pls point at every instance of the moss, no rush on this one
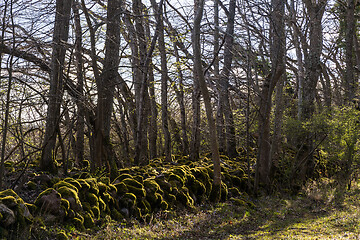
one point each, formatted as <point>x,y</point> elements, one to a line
<point>85,186</point>
<point>31,185</point>
<point>61,236</point>
<point>234,192</point>
<point>112,188</point>
<point>32,207</point>
<point>164,185</point>
<point>164,205</point>
<point>67,185</point>
<point>86,206</point>
<point>105,180</point>
<point>84,175</point>
<point>151,185</point>
<point>9,192</point>
<point>145,206</point>
<point>184,198</point>
<point>197,188</point>
<point>102,205</point>
<point>201,174</point>
<point>121,188</point>
<point>88,221</point>
<point>46,192</point>
<point>116,215</point>
<point>132,182</point>
<point>139,192</point>
<point>238,202</point>
<point>177,179</point>
<point>129,200</point>
<point>122,177</point>
<point>92,199</point>
<point>108,199</point>
<point>9,201</point>
<point>93,185</point>
<point>171,198</point>
<point>72,196</point>
<point>102,187</point>
<point>96,211</point>
<point>65,203</point>
<point>78,223</point>
<point>73,182</point>
<point>224,192</point>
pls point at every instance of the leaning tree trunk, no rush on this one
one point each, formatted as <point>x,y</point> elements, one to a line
<point>61,32</point>
<point>199,77</point>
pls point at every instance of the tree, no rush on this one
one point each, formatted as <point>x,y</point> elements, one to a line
<point>277,55</point>
<point>104,153</point>
<point>199,77</point>
<point>61,31</point>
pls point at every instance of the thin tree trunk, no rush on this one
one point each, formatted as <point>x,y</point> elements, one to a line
<point>80,85</point>
<point>199,76</point>
<point>224,82</point>
<point>350,83</point>
<point>164,85</point>
<point>61,31</point>
<point>104,153</point>
<point>312,62</point>
<point>277,55</point>
<point>180,97</point>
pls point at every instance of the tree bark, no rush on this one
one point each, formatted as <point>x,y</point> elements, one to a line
<point>199,76</point>
<point>61,31</point>
<point>79,148</point>
<point>104,154</point>
<point>350,83</point>
<point>277,56</point>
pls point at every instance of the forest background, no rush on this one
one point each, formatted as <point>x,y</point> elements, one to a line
<point>106,85</point>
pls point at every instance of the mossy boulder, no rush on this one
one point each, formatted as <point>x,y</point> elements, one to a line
<point>74,182</point>
<point>93,185</point>
<point>71,195</point>
<point>122,177</point>
<point>85,186</point>
<point>151,185</point>
<point>7,216</point>
<point>88,221</point>
<point>135,187</point>
<point>65,184</point>
<point>121,188</point>
<point>129,200</point>
<point>49,201</point>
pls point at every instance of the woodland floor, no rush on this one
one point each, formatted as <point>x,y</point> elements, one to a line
<point>275,217</point>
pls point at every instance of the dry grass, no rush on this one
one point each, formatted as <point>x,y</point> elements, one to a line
<point>274,217</point>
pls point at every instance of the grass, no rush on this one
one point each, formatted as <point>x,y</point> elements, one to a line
<point>273,217</point>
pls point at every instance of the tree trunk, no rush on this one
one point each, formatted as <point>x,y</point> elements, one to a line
<point>199,76</point>
<point>61,31</point>
<point>224,82</point>
<point>277,55</point>
<point>350,83</point>
<point>164,85</point>
<point>315,11</point>
<point>180,97</point>
<point>79,148</point>
<point>104,153</point>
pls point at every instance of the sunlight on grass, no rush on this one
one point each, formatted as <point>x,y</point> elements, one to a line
<point>272,218</point>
